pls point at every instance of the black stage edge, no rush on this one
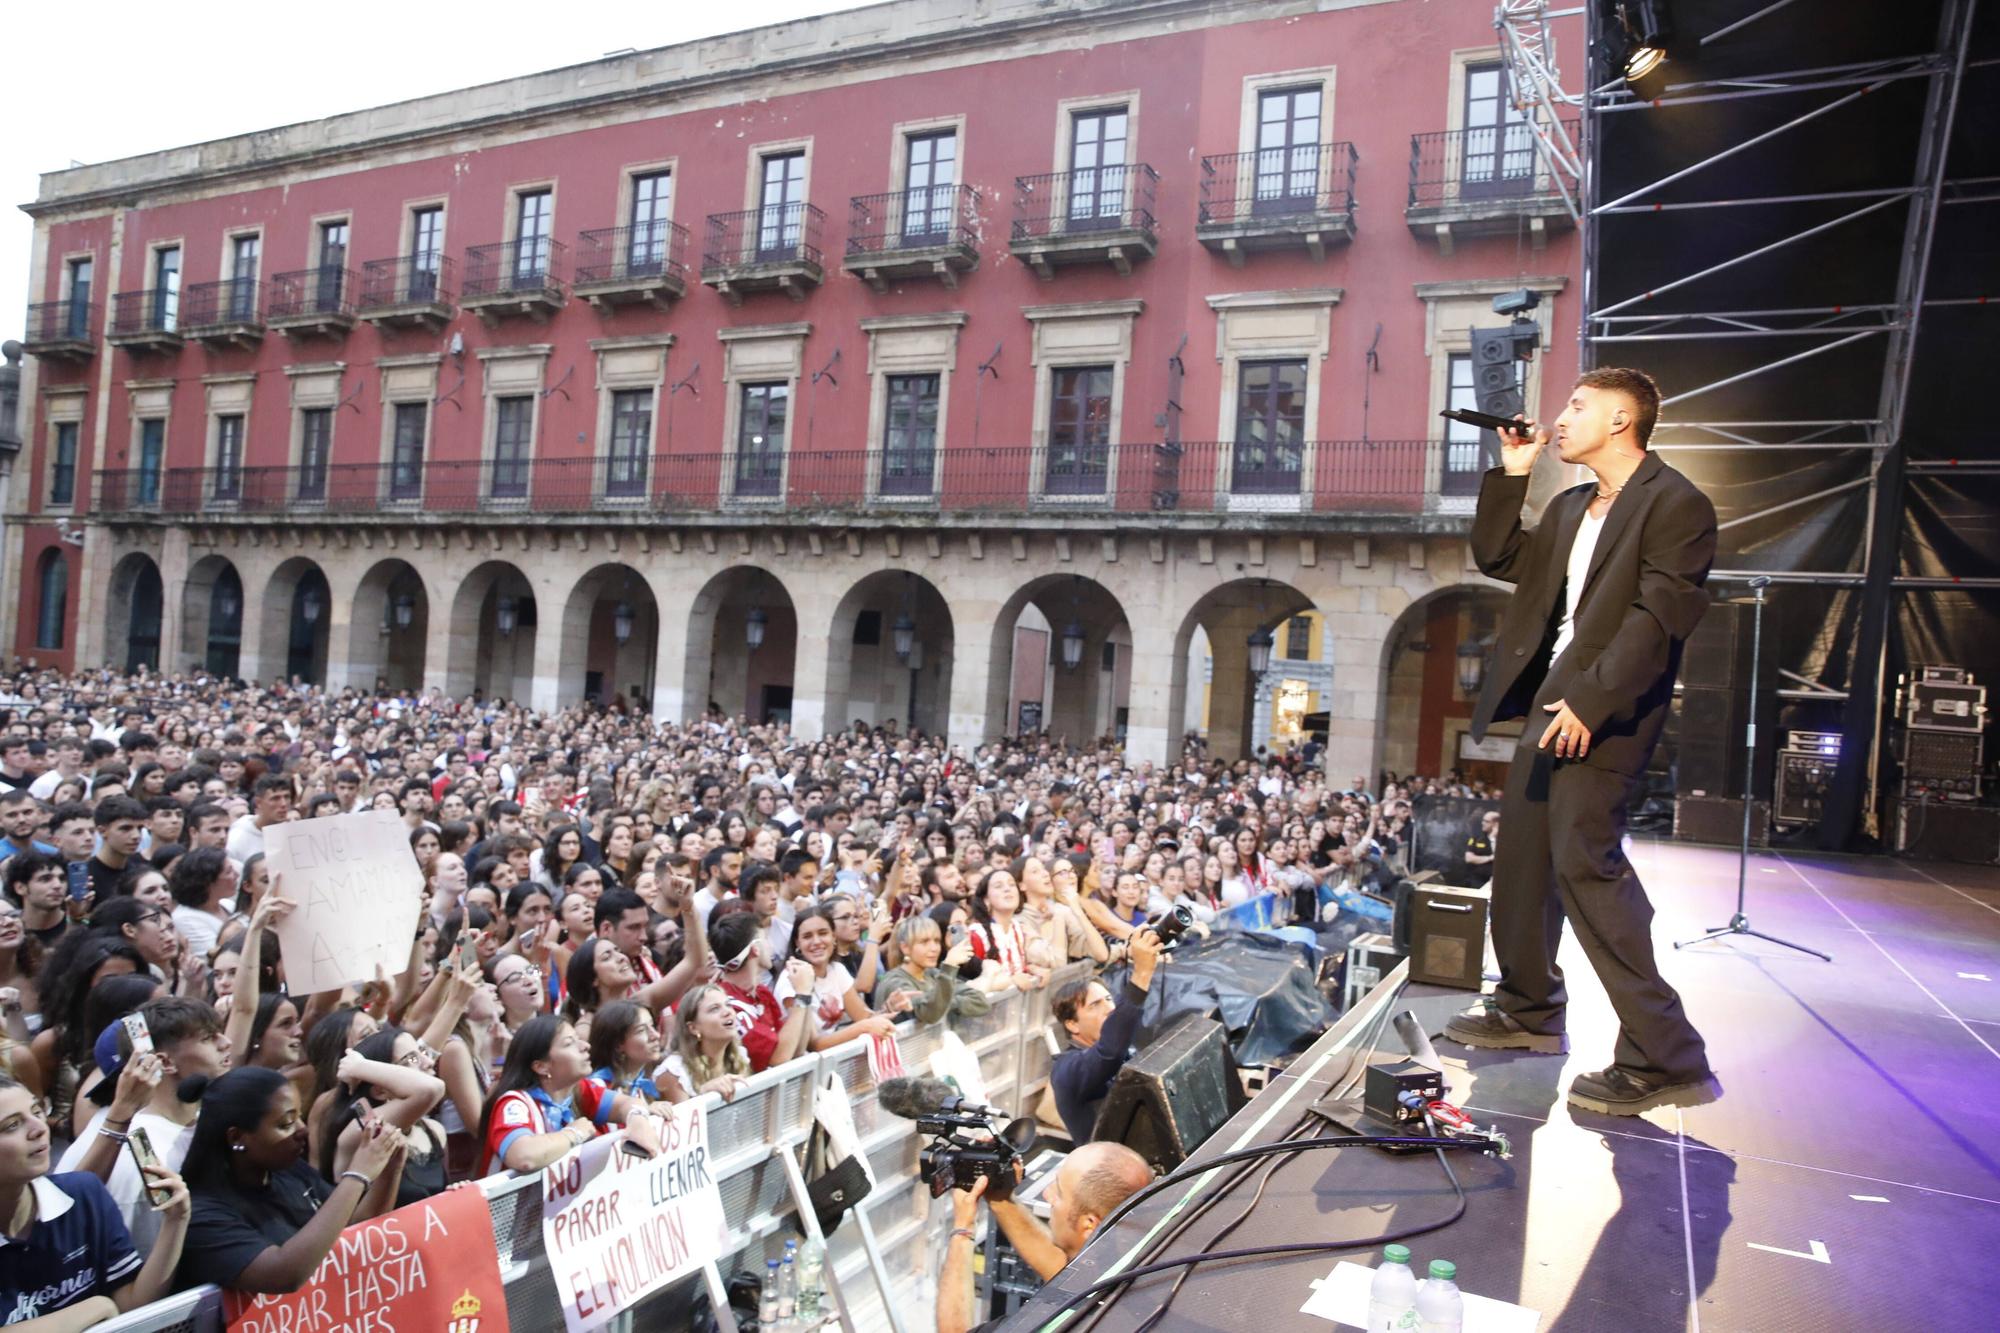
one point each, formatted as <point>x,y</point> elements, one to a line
<point>1849,1179</point>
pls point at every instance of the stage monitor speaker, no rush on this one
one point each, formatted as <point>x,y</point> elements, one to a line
<point>1164,1104</point>
<point>1935,831</point>
<point>1719,819</point>
<point>1447,936</point>
<point>1714,708</point>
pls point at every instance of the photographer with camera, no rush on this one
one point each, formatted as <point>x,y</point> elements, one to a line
<point>1103,1035</point>
<point>1090,1183</point>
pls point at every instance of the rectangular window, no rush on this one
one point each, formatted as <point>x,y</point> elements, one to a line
<point>229,457</point>
<point>760,438</point>
<point>315,449</point>
<point>243,255</point>
<point>62,472</point>
<point>1467,451</point>
<point>1079,430</point>
<point>1298,638</point>
<point>426,252</point>
<point>406,453</point>
<point>152,458</point>
<point>1498,150</point>
<point>1097,167</point>
<point>631,442</point>
<point>513,445</point>
<point>930,177</point>
<point>647,234</point>
<point>332,276</point>
<point>781,203</point>
<point>1107,661</point>
<point>166,287</point>
<point>1270,427</point>
<point>534,221</point>
<point>77,316</point>
<point>909,442</point>
<point>1287,150</point>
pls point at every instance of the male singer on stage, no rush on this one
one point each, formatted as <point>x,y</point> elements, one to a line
<point>1607,587</point>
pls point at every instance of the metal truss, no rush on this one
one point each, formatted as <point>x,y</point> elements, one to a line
<point>1529,49</point>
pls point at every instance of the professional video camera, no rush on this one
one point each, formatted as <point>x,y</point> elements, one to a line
<point>964,1146</point>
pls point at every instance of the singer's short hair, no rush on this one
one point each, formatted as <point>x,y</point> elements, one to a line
<point>1634,384</point>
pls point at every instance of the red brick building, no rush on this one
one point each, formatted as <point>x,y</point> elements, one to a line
<point>902,341</point>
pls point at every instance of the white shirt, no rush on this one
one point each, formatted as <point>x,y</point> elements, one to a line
<point>1579,570</point>
<point>170,1141</point>
<point>246,839</point>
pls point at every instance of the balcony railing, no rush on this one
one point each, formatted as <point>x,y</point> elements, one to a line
<point>1302,184</point>
<point>640,256</point>
<point>231,302</point>
<point>927,218</point>
<point>153,311</point>
<point>327,292</point>
<point>1325,477</point>
<point>61,328</point>
<point>776,234</point>
<point>408,280</point>
<point>529,269</point>
<point>1496,166</point>
<point>1087,200</point>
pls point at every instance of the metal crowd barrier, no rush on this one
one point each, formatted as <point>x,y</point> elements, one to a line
<point>882,1261</point>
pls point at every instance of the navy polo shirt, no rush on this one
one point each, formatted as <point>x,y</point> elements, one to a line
<point>76,1248</point>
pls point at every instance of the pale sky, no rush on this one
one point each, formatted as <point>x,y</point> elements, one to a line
<point>128,77</point>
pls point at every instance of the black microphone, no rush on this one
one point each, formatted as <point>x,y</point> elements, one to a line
<point>1487,421</point>
<point>923,1098</point>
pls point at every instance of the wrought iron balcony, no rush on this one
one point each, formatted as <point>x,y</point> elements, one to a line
<point>62,330</point>
<point>1322,478</point>
<point>312,302</point>
<point>227,313</point>
<point>1093,215</point>
<point>1300,197</point>
<point>931,231</point>
<point>646,264</point>
<point>1488,181</point>
<point>771,249</point>
<point>145,321</point>
<point>521,277</point>
<point>409,291</point>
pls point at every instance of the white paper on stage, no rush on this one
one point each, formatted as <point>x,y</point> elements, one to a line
<point>1342,1297</point>
<point>358,891</point>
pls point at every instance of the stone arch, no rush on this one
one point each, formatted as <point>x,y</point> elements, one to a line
<point>389,628</point>
<point>212,613</point>
<point>135,613</point>
<point>1030,682</point>
<point>867,679</point>
<point>1424,707</point>
<point>1229,614</point>
<point>610,638</point>
<point>494,623</point>
<point>295,630</point>
<point>720,667</point>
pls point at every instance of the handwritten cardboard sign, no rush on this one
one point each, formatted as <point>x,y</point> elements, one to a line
<point>358,891</point>
<point>617,1229</point>
<point>429,1268</point>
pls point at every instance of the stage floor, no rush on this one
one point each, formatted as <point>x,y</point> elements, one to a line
<point>1848,1179</point>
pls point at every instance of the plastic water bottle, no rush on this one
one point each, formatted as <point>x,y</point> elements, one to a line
<point>767,1299</point>
<point>788,1292</point>
<point>812,1277</point>
<point>1440,1309</point>
<point>1392,1296</point>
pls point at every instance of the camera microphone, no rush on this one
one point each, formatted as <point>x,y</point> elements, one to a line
<point>912,1098</point>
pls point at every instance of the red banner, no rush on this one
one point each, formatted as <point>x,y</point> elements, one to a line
<point>429,1268</point>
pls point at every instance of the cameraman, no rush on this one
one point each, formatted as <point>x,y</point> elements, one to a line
<point>1092,1181</point>
<point>1103,1036</point>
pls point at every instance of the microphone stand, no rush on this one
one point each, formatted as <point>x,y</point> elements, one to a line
<point>1740,923</point>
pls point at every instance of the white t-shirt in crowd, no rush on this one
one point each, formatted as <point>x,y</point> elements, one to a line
<point>246,839</point>
<point>829,997</point>
<point>169,1140</point>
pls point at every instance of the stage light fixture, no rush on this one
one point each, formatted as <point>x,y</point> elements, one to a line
<point>1649,34</point>
<point>753,628</point>
<point>1260,645</point>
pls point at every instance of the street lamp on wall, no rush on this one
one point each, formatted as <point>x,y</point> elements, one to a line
<point>1471,667</point>
<point>904,636</point>
<point>1260,652</point>
<point>309,606</point>
<point>406,611</point>
<point>226,605</point>
<point>506,615</point>
<point>753,628</point>
<point>621,622</point>
<point>1072,646</point>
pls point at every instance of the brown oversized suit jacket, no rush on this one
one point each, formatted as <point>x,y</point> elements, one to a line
<point>1642,598</point>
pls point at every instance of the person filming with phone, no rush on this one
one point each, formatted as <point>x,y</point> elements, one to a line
<point>1102,1031</point>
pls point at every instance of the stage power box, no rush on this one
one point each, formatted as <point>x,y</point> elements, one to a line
<point>1448,936</point>
<point>1369,959</point>
<point>1385,1083</point>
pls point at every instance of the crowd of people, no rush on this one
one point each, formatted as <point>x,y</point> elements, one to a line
<point>618,912</point>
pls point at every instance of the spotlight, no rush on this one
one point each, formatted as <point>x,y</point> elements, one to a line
<point>1648,33</point>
